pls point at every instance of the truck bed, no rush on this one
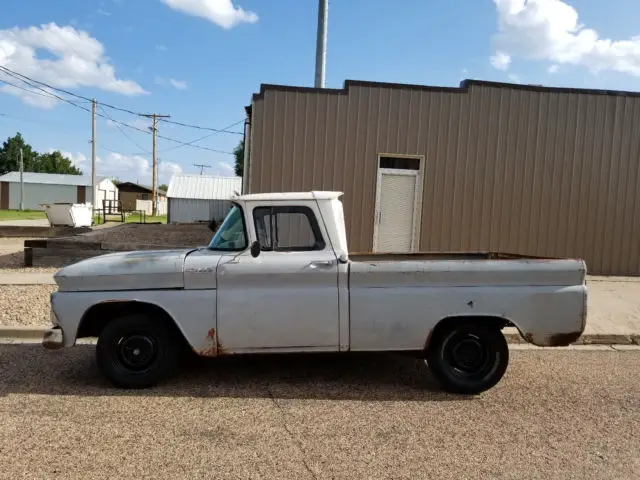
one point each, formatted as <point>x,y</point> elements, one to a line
<point>404,257</point>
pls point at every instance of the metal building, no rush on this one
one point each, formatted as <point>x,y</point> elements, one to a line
<point>200,198</point>
<point>42,188</point>
<point>487,166</point>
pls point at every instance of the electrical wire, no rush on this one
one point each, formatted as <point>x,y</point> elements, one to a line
<point>24,78</point>
<point>215,130</point>
<point>123,132</point>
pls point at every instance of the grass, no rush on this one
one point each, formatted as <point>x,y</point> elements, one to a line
<point>38,214</point>
<point>133,218</point>
<point>21,215</point>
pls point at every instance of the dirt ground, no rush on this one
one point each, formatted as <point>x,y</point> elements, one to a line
<point>555,415</point>
<point>191,235</point>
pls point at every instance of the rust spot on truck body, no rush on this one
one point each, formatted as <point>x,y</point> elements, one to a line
<point>215,349</point>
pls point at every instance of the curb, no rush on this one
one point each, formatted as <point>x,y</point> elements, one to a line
<point>37,333</point>
<point>588,339</point>
<point>22,333</point>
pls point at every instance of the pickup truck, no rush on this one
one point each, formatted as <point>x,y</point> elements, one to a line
<point>277,277</point>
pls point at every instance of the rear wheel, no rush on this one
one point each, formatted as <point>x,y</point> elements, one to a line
<point>136,351</point>
<point>468,357</point>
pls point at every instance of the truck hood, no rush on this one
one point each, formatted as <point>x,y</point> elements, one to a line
<point>139,270</point>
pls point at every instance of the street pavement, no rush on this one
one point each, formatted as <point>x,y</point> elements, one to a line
<point>557,414</point>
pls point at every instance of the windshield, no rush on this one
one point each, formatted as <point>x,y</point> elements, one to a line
<point>231,236</point>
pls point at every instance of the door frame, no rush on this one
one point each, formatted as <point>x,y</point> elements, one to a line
<point>417,200</point>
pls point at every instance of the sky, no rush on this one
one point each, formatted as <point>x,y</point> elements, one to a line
<point>200,61</point>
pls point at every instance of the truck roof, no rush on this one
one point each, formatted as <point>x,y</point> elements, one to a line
<point>312,195</point>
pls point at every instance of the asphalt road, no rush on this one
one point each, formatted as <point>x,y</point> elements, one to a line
<point>555,415</point>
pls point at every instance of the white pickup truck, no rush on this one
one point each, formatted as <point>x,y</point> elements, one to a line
<point>277,277</point>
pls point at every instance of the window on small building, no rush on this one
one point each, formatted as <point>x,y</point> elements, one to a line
<point>287,229</point>
<point>144,196</point>
<point>400,163</point>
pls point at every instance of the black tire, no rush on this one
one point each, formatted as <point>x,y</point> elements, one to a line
<point>468,357</point>
<point>136,351</point>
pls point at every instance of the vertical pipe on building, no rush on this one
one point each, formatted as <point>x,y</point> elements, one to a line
<point>321,43</point>
<point>21,181</point>
<point>246,167</point>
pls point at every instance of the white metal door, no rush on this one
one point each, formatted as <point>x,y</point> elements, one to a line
<point>396,210</point>
<point>279,301</point>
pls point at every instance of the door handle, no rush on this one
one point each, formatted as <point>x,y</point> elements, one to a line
<point>321,264</point>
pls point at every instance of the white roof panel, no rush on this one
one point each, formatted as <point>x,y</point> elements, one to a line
<point>49,178</point>
<point>204,187</point>
<point>313,195</point>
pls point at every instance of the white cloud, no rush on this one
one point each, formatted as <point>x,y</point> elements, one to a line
<point>553,69</point>
<point>221,12</point>
<point>79,160</point>
<point>501,61</point>
<point>226,168</point>
<point>514,78</point>
<point>179,84</point>
<point>131,168</point>
<point>549,30</point>
<point>78,61</point>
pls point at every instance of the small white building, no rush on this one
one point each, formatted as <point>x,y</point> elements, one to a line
<point>199,198</point>
<point>41,188</point>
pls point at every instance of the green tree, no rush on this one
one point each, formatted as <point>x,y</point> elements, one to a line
<point>10,155</point>
<point>239,154</point>
<point>164,187</point>
<point>55,162</point>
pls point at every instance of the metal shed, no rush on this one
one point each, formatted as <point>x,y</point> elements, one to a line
<point>42,188</point>
<point>486,166</point>
<point>199,198</point>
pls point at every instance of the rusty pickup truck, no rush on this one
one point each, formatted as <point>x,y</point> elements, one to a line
<point>277,277</point>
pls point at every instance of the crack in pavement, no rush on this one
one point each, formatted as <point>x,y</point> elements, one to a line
<point>291,435</point>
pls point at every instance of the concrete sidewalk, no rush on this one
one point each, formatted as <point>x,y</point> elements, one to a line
<point>20,278</point>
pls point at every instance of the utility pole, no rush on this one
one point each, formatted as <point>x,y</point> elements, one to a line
<point>321,42</point>
<point>154,129</point>
<point>94,207</point>
<point>202,167</point>
<point>21,181</point>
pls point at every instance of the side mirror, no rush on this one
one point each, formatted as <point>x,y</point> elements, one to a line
<point>213,225</point>
<point>255,249</point>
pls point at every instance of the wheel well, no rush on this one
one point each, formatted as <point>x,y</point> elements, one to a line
<point>98,316</point>
<point>492,321</point>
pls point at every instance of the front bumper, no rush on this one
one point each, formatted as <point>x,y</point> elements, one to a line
<point>53,337</point>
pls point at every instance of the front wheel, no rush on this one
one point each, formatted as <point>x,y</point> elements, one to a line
<point>468,358</point>
<point>135,351</point>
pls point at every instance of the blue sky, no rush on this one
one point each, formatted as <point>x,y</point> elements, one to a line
<point>200,61</point>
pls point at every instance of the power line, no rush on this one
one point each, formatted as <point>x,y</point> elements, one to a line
<point>216,130</point>
<point>131,112</point>
<point>123,132</point>
<point>26,89</point>
<point>17,76</point>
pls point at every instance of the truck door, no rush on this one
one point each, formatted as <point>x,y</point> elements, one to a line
<point>287,297</point>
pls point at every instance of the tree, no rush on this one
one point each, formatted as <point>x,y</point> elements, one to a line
<point>239,154</point>
<point>53,162</point>
<point>10,155</point>
<point>164,187</point>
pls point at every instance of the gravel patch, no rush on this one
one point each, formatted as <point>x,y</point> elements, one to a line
<point>555,415</point>
<point>189,235</point>
<point>12,257</point>
<point>25,305</point>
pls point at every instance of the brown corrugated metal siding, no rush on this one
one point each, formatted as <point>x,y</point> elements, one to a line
<point>518,169</point>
